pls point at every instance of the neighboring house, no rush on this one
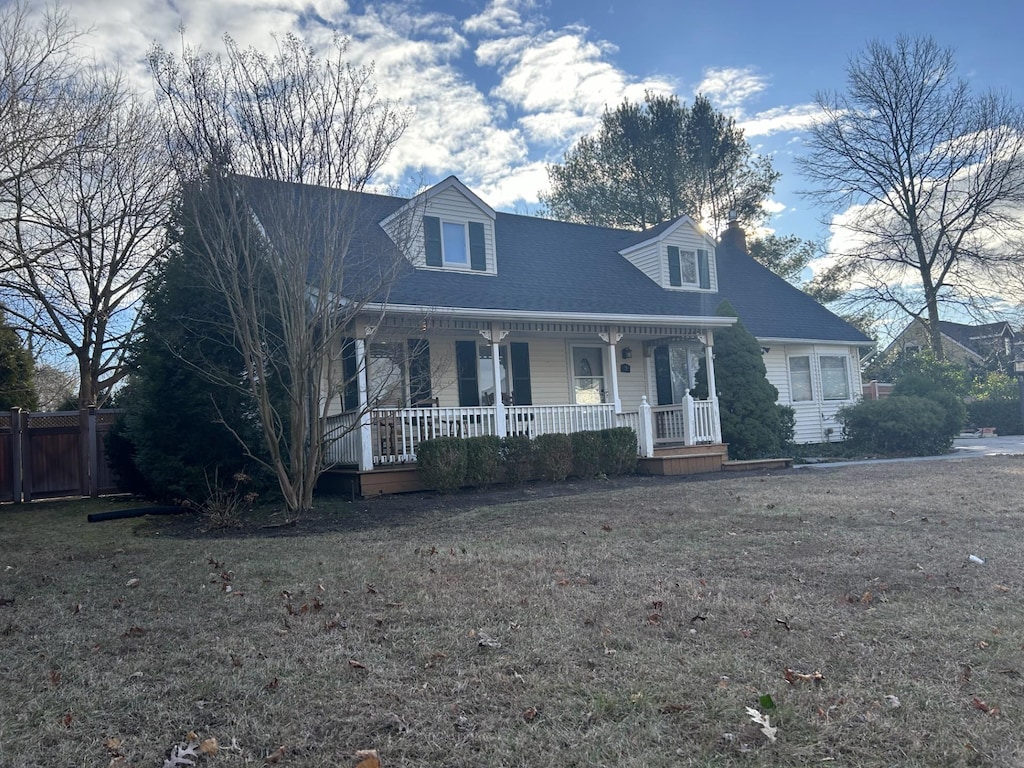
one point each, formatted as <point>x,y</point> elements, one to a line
<point>501,323</point>
<point>986,346</point>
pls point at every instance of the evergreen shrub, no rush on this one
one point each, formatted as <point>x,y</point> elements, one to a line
<point>442,463</point>
<point>618,451</point>
<point>553,456</point>
<point>586,453</point>
<point>517,458</point>
<point>483,460</point>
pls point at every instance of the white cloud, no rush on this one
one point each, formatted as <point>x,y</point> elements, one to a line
<point>774,207</point>
<point>520,184</point>
<point>498,18</point>
<point>780,119</point>
<point>730,87</point>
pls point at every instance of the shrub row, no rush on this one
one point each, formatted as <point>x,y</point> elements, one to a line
<point>448,463</point>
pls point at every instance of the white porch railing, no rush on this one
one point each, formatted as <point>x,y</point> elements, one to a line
<point>341,440</point>
<point>536,420</point>
<point>395,433</point>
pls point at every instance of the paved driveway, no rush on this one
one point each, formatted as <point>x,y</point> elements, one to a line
<point>963,448</point>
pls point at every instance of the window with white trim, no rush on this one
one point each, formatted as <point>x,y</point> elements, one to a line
<point>835,377</point>
<point>800,389</point>
<point>688,269</point>
<point>454,244</point>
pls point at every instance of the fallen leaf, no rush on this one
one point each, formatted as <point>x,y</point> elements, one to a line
<point>984,707</point>
<point>135,632</point>
<point>530,714</point>
<point>271,686</point>
<point>764,721</point>
<point>792,677</point>
<point>68,717</point>
<point>113,744</point>
<point>54,677</point>
<point>669,709</point>
<point>275,756</point>
<point>893,701</point>
<point>356,664</point>
<point>209,746</point>
<point>133,582</point>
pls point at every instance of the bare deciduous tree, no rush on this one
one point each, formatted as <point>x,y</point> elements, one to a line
<point>84,197</point>
<point>930,179</point>
<point>86,236</point>
<point>289,267</point>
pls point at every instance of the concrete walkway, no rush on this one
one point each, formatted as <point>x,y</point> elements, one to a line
<point>963,448</point>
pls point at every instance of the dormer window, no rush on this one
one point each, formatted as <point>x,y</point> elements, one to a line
<point>688,269</point>
<point>454,244</point>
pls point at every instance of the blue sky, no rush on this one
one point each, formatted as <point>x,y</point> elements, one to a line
<point>497,89</point>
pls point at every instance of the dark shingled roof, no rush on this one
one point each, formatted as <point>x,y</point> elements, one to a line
<point>553,266</point>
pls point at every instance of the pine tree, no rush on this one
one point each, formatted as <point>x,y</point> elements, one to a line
<point>753,424</point>
<point>17,385</point>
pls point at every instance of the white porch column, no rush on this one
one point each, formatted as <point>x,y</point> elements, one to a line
<point>709,364</point>
<point>645,438</point>
<point>611,338</point>
<point>365,433</point>
<point>494,336</point>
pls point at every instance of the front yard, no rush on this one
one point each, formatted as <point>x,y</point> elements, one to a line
<point>625,626</point>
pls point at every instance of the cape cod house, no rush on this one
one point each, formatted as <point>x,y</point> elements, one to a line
<point>499,323</point>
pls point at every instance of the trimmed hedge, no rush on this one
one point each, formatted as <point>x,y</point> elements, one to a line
<point>483,460</point>
<point>586,453</point>
<point>442,463</point>
<point>897,425</point>
<point>618,451</point>
<point>517,456</point>
<point>553,456</point>
<point>1004,415</point>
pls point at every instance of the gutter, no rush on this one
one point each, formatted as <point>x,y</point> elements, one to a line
<point>706,321</point>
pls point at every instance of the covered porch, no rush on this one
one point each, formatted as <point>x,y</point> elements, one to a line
<point>415,378</point>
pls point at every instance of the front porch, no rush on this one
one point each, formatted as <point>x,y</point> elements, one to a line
<point>386,439</point>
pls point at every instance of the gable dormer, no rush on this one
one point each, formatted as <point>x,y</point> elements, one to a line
<point>446,228</point>
<point>678,256</point>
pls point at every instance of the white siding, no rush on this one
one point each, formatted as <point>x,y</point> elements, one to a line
<point>814,418</point>
<point>652,258</point>
<point>632,385</point>
<point>448,205</point>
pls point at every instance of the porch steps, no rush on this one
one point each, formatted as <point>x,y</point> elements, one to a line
<point>684,460</point>
<point>756,464</point>
<point>378,482</point>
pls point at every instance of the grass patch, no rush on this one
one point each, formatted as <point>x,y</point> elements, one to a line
<point>632,626</point>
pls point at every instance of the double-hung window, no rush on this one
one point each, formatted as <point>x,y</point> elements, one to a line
<point>800,379</point>
<point>454,244</point>
<point>835,377</point>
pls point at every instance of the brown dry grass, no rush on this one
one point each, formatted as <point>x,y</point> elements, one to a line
<point>635,626</point>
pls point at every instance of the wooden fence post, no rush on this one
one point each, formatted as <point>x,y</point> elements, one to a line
<point>94,454</point>
<point>17,454</point>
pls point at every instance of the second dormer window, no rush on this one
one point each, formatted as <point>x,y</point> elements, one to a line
<point>454,244</point>
<point>688,269</point>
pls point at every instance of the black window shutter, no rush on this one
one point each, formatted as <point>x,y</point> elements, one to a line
<point>663,375</point>
<point>466,367</point>
<point>477,247</point>
<point>419,372</point>
<point>675,273</point>
<point>432,240</point>
<point>704,269</point>
<point>349,372</point>
<point>522,393</point>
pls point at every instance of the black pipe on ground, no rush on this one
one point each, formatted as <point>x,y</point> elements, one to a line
<point>124,514</point>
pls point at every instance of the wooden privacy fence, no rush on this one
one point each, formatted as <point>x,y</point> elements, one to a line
<point>45,455</point>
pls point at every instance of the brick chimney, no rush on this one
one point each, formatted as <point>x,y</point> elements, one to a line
<point>734,236</point>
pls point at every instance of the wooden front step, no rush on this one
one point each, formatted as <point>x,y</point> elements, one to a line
<point>688,450</point>
<point>756,464</point>
<point>683,464</point>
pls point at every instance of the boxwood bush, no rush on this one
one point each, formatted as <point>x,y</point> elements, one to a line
<point>618,451</point>
<point>517,458</point>
<point>442,463</point>
<point>483,460</point>
<point>586,453</point>
<point>553,456</point>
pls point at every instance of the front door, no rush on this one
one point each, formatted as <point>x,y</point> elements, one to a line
<point>674,369</point>
<point>588,375</point>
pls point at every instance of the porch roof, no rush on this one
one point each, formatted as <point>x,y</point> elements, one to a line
<point>550,267</point>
